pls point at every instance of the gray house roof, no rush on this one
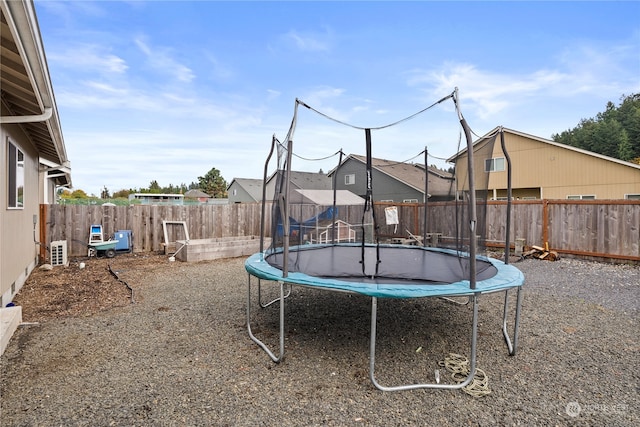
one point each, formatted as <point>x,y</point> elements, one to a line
<point>302,181</point>
<point>410,174</point>
<point>195,194</point>
<point>253,187</point>
<point>325,197</point>
<point>311,180</point>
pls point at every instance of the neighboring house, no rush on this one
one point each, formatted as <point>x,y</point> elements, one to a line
<point>325,197</point>
<point>392,181</point>
<point>301,181</point>
<point>197,196</point>
<point>245,190</point>
<point>32,152</point>
<point>544,169</point>
<point>157,199</point>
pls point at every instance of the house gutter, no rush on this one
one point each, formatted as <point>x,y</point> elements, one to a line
<point>22,20</point>
<point>46,115</point>
<point>21,16</point>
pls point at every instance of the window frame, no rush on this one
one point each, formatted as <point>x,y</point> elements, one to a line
<point>581,197</point>
<point>349,179</point>
<point>490,164</point>
<point>15,176</point>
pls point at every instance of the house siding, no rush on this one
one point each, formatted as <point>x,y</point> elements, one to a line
<point>240,196</point>
<point>384,187</point>
<point>549,171</point>
<point>18,251</point>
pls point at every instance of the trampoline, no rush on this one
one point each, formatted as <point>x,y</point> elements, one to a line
<point>405,272</point>
<point>455,267</point>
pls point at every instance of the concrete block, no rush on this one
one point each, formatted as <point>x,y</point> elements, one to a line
<point>10,319</point>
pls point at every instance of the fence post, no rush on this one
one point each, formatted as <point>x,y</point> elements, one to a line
<point>545,221</point>
<point>43,234</point>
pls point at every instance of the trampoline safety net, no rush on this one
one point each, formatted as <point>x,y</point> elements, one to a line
<point>362,203</point>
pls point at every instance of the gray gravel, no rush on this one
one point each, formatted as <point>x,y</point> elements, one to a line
<point>181,356</point>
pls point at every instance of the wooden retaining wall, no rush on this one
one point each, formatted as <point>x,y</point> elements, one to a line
<point>595,228</point>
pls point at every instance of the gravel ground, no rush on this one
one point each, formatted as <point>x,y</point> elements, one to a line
<point>180,356</point>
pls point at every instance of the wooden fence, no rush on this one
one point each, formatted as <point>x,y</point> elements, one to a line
<point>591,228</point>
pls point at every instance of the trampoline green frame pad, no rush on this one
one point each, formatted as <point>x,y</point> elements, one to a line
<point>397,271</point>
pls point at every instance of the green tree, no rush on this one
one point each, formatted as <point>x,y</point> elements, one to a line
<point>79,194</point>
<point>213,184</point>
<point>625,151</point>
<point>630,120</point>
<point>615,132</point>
<point>606,137</point>
<point>122,194</point>
<point>154,187</point>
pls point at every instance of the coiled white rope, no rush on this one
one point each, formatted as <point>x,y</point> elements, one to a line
<point>459,367</point>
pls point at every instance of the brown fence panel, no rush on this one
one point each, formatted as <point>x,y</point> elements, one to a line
<point>609,228</point>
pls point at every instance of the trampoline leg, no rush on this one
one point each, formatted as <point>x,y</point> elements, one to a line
<point>512,346</point>
<point>265,305</point>
<point>472,358</point>
<point>276,359</point>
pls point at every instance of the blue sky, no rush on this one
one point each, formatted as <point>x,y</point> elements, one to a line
<point>167,90</point>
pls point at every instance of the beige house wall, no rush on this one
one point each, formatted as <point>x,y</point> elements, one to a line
<point>554,171</point>
<point>18,251</point>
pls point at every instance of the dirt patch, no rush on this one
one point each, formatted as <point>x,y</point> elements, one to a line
<point>85,287</point>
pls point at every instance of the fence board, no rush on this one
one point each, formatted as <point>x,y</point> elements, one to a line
<point>598,228</point>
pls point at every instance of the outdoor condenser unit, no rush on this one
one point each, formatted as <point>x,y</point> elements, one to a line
<point>59,253</point>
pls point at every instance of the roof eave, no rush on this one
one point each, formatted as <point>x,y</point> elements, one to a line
<point>21,17</point>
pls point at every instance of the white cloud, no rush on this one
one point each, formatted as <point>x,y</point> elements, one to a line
<point>217,69</point>
<point>88,57</point>
<point>487,92</point>
<point>309,42</point>
<point>273,94</point>
<point>162,61</point>
<point>580,70</point>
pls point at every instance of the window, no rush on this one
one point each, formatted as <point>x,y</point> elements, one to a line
<point>632,196</point>
<point>410,201</point>
<point>581,197</point>
<point>15,190</point>
<point>350,179</point>
<point>494,165</point>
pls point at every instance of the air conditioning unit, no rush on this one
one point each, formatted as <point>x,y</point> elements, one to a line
<point>59,253</point>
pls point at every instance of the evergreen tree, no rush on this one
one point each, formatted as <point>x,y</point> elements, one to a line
<point>154,187</point>
<point>625,151</point>
<point>213,184</point>
<point>614,132</point>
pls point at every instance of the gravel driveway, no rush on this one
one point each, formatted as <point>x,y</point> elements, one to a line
<point>181,356</point>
